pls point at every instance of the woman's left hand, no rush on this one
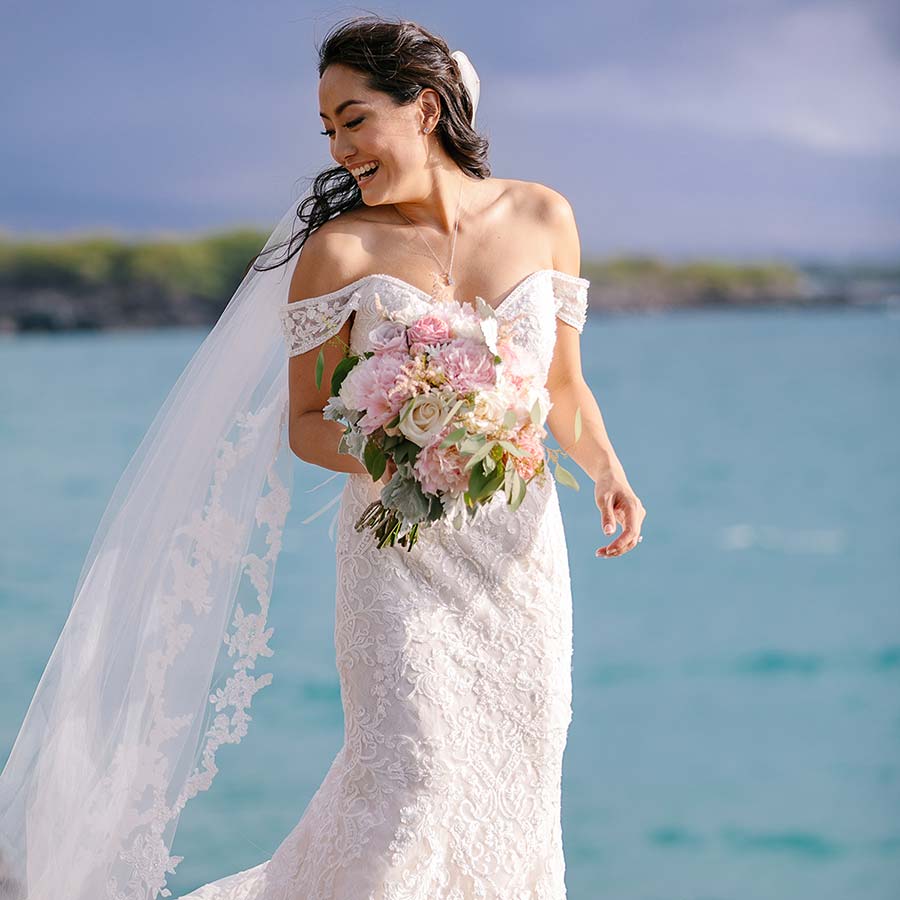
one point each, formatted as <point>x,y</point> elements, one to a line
<point>617,502</point>
<point>389,469</point>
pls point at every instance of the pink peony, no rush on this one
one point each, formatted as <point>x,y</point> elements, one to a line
<point>368,387</point>
<point>468,365</point>
<point>441,469</point>
<point>428,329</point>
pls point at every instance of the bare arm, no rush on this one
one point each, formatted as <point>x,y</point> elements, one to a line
<point>321,269</point>
<point>593,451</point>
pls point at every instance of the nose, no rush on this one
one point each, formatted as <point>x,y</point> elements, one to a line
<point>343,148</point>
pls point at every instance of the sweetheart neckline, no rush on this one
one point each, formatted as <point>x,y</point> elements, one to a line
<point>422,292</point>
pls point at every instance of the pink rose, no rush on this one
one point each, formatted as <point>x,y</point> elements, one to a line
<point>428,329</point>
<point>467,364</point>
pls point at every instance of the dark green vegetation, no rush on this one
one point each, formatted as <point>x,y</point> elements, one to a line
<point>104,282</point>
<point>209,266</point>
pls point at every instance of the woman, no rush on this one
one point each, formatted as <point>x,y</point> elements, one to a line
<point>454,658</point>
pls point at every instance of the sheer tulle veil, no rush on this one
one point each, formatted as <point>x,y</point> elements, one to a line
<point>161,655</point>
<point>156,666</point>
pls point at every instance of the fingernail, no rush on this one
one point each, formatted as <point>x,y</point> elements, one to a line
<point>608,529</point>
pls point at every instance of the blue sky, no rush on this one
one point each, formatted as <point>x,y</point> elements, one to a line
<point>705,127</point>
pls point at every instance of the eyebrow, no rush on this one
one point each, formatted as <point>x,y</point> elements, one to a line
<point>342,106</point>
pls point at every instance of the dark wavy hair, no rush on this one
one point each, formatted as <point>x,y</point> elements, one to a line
<point>401,59</point>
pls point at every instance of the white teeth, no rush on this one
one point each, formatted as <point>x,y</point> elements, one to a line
<point>362,170</point>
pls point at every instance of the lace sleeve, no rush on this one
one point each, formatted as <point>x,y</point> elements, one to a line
<point>309,323</point>
<point>571,298</point>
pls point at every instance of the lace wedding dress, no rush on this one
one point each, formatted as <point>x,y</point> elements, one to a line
<point>455,669</point>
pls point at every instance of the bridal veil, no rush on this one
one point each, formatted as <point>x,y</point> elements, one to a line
<point>157,663</point>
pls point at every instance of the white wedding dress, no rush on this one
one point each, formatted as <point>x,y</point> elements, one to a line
<point>455,669</point>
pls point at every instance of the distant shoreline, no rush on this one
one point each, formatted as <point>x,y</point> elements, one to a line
<point>104,284</point>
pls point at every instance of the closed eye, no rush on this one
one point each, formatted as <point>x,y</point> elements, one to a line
<point>352,124</point>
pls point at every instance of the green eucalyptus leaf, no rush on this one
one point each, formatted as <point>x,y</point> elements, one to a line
<point>512,448</point>
<point>508,482</point>
<point>477,481</point>
<point>340,372</point>
<point>405,411</point>
<point>456,435</point>
<point>436,508</point>
<point>375,460</point>
<point>406,451</point>
<point>564,476</point>
<point>320,367</point>
<point>482,484</point>
<point>472,444</point>
<point>518,491</point>
<point>479,454</point>
<point>512,486</point>
<point>496,478</point>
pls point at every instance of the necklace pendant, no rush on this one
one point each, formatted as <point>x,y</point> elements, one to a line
<point>440,285</point>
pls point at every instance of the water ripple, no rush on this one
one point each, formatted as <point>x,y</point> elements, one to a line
<point>795,843</point>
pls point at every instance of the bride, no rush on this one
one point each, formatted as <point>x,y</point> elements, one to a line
<point>454,657</point>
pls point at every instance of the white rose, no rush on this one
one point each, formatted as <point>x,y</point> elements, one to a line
<point>487,414</point>
<point>423,417</point>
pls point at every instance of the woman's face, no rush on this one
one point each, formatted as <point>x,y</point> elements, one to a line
<point>375,129</point>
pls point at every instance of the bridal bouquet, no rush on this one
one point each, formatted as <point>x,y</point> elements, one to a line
<point>454,403</point>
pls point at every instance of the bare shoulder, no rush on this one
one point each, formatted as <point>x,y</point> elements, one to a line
<point>535,200</point>
<point>332,257</point>
<point>552,213</point>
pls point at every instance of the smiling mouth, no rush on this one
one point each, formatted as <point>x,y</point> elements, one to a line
<point>363,179</point>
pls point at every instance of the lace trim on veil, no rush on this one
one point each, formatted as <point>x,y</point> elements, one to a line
<point>211,538</point>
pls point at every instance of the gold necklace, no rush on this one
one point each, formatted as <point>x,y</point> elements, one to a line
<point>444,278</point>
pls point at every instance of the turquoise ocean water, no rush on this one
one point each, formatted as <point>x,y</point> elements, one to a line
<point>736,730</point>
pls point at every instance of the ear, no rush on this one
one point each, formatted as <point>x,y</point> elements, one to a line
<point>430,104</point>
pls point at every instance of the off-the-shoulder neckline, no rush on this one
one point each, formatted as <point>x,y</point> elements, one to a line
<point>423,293</point>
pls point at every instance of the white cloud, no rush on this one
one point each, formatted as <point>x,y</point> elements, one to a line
<point>821,77</point>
